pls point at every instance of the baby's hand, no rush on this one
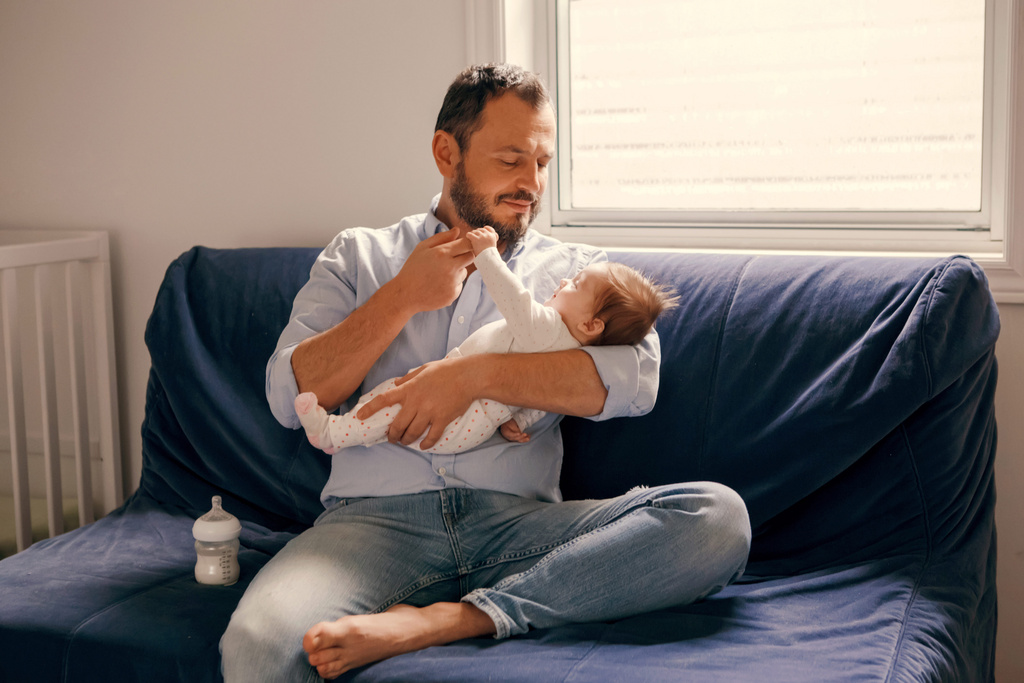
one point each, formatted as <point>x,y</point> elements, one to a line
<point>510,430</point>
<point>482,238</point>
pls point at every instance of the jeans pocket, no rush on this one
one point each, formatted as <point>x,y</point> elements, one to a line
<point>334,504</point>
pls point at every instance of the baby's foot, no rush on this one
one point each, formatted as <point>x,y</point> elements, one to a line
<point>314,420</point>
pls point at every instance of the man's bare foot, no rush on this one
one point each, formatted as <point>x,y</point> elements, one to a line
<point>335,647</point>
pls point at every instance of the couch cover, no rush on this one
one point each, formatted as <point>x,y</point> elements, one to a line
<point>848,400</point>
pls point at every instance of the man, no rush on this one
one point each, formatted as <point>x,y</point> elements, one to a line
<point>417,549</point>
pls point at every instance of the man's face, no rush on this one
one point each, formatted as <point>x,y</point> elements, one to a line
<point>500,178</point>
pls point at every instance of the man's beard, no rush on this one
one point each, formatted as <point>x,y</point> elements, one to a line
<point>475,210</point>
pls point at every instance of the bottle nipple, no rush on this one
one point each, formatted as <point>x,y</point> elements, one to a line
<point>216,525</point>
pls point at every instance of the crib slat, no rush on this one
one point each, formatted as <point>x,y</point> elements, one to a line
<point>16,410</point>
<point>48,402</point>
<point>106,380</point>
<point>79,396</point>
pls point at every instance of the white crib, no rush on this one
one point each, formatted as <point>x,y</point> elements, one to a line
<point>65,367</point>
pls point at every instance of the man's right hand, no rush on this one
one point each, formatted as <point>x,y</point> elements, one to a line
<point>333,363</point>
<point>432,275</point>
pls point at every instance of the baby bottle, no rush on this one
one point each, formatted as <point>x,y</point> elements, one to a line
<point>216,535</point>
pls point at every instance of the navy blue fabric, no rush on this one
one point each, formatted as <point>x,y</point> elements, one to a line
<point>848,400</point>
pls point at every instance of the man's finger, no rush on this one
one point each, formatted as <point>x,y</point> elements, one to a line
<point>439,238</point>
<point>376,404</point>
<point>417,428</point>
<point>409,375</point>
<point>399,425</point>
<point>432,437</point>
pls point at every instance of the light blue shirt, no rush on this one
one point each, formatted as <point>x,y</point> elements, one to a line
<point>352,267</point>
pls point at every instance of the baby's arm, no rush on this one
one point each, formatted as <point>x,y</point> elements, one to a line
<point>522,419</point>
<point>514,301</point>
<point>511,431</point>
<point>482,238</point>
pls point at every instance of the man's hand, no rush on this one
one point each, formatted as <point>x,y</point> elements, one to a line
<point>482,238</point>
<point>333,363</point>
<point>435,394</point>
<point>511,431</point>
<point>432,396</point>
<point>432,275</point>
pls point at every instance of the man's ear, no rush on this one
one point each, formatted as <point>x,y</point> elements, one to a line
<point>591,328</point>
<point>446,153</point>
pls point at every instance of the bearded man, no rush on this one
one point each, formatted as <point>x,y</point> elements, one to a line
<point>416,549</point>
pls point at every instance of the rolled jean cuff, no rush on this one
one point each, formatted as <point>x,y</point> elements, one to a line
<point>502,624</point>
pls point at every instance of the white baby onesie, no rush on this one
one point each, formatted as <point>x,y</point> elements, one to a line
<point>528,327</point>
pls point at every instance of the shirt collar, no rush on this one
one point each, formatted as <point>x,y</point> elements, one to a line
<point>433,225</point>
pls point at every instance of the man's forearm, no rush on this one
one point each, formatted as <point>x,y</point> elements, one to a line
<point>334,363</point>
<point>565,382</point>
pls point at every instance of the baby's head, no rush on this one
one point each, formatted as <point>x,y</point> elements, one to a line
<point>609,304</point>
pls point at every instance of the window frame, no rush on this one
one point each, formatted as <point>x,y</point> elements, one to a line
<point>524,31</point>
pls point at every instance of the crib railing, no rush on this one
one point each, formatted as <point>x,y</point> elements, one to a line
<point>77,326</point>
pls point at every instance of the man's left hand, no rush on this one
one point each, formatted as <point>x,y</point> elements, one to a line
<point>432,396</point>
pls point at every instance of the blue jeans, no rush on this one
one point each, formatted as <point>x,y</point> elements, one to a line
<point>525,563</point>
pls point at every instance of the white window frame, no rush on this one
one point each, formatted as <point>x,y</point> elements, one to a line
<point>523,31</point>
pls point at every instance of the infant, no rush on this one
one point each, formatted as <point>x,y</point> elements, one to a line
<point>605,304</point>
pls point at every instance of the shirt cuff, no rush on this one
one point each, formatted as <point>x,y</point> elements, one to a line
<point>282,389</point>
<point>632,386</point>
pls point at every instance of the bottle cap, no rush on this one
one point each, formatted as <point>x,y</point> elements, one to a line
<point>216,525</point>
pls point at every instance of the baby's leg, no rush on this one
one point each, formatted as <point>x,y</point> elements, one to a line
<point>331,433</point>
<point>474,427</point>
<point>314,420</point>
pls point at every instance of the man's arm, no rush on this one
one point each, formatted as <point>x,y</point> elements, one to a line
<point>334,363</point>
<point>434,394</point>
<point>333,360</point>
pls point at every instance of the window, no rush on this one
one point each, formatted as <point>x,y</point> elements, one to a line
<point>789,105</point>
<point>874,125</point>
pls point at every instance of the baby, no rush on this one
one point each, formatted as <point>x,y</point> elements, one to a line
<point>605,304</point>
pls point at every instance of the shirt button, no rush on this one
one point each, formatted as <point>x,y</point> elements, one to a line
<point>462,319</point>
<point>442,471</point>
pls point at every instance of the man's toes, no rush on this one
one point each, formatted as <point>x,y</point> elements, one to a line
<point>314,639</point>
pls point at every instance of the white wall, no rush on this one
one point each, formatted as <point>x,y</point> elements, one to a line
<point>234,123</point>
<point>225,123</point>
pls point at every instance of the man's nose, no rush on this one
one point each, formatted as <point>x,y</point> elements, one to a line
<point>530,179</point>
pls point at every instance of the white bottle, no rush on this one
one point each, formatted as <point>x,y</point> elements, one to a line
<point>216,535</point>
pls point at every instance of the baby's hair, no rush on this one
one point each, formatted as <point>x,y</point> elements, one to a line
<point>629,304</point>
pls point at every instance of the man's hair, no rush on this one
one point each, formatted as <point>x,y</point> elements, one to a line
<point>472,89</point>
<point>629,304</point>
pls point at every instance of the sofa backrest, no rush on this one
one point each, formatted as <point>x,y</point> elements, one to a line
<point>208,429</point>
<point>843,398</point>
<point>848,400</point>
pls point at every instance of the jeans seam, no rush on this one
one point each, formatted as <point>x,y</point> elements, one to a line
<point>412,588</point>
<point>549,547</point>
<point>481,594</point>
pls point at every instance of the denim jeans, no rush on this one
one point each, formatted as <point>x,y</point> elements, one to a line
<point>525,563</point>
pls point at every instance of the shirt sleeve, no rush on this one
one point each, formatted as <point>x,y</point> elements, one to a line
<point>324,301</point>
<point>630,373</point>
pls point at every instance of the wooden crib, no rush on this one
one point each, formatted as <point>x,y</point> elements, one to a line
<point>59,378</point>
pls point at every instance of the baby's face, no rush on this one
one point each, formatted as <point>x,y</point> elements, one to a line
<point>575,299</point>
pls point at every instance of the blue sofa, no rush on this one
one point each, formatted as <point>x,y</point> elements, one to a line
<point>848,400</point>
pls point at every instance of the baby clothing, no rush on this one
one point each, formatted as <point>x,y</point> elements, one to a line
<point>528,327</point>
